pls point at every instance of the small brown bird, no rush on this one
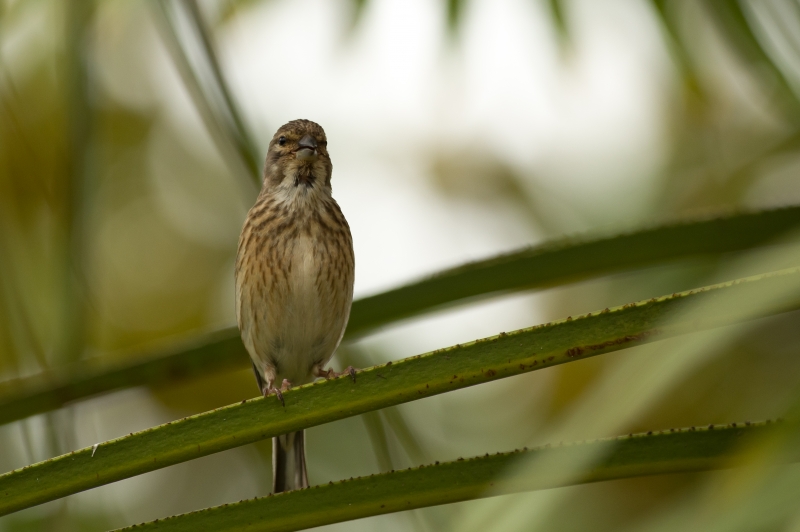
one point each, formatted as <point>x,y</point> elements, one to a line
<point>294,279</point>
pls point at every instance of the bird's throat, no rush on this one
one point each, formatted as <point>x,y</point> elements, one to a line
<point>304,177</point>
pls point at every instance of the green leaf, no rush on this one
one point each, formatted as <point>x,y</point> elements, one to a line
<point>675,451</point>
<point>678,46</point>
<point>553,263</point>
<point>735,27</point>
<point>455,12</point>
<point>558,17</point>
<point>407,380</point>
<point>208,87</point>
<point>359,6</point>
<point>49,391</point>
<point>568,260</point>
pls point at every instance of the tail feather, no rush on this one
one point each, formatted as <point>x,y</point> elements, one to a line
<point>289,462</point>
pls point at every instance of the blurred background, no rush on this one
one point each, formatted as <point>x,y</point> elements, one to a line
<point>131,139</point>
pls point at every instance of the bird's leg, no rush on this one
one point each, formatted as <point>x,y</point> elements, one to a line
<point>318,371</point>
<point>269,389</point>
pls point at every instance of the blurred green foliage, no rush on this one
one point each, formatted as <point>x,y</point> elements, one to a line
<point>119,219</point>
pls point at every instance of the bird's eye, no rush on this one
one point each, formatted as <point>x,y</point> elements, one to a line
<point>282,141</point>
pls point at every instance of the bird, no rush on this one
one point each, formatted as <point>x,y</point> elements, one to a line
<point>294,276</point>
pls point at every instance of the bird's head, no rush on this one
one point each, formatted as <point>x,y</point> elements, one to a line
<point>298,157</point>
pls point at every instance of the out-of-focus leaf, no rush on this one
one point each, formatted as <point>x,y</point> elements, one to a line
<point>759,495</point>
<point>674,451</point>
<point>550,264</point>
<point>568,260</point>
<point>393,383</point>
<point>358,12</point>
<point>207,86</point>
<point>380,443</point>
<point>736,28</point>
<point>678,45</point>
<point>559,18</point>
<point>237,128</point>
<point>397,422</point>
<point>231,8</point>
<point>53,389</point>
<point>79,172</point>
<point>455,10</point>
<point>376,430</point>
<point>378,424</point>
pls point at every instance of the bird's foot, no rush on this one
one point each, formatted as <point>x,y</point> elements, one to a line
<point>271,389</point>
<point>330,374</point>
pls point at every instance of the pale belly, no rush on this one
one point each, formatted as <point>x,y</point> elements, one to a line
<point>296,318</point>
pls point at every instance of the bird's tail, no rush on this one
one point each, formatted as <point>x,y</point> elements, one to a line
<point>289,462</point>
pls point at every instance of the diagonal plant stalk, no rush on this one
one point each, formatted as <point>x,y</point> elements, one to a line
<point>238,130</point>
<point>210,93</point>
<point>413,378</point>
<point>572,259</point>
<point>550,264</point>
<point>51,390</point>
<point>735,26</point>
<point>558,18</point>
<point>358,8</point>
<point>673,451</point>
<point>678,47</point>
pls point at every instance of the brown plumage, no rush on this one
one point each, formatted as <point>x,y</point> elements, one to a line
<point>294,278</point>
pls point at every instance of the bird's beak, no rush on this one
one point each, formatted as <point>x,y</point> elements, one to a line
<point>307,149</point>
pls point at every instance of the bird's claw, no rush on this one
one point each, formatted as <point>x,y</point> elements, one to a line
<point>285,385</point>
<point>330,374</point>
